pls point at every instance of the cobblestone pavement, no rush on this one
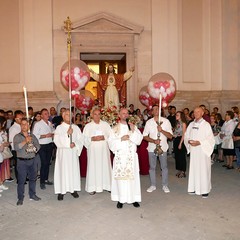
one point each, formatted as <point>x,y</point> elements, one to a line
<point>175,215</point>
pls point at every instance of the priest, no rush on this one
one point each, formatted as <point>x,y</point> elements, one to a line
<point>99,169</point>
<point>199,141</point>
<point>123,141</point>
<point>69,142</point>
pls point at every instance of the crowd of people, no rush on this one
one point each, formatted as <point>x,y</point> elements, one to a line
<point>29,146</point>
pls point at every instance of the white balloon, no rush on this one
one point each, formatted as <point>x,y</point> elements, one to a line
<point>76,70</point>
<point>164,94</point>
<point>168,91</point>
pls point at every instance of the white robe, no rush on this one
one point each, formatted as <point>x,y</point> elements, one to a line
<point>99,169</point>
<point>199,180</point>
<point>125,180</point>
<point>67,170</point>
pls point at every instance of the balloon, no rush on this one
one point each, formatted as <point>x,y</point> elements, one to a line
<point>146,99</point>
<point>162,83</point>
<point>79,74</point>
<point>84,100</point>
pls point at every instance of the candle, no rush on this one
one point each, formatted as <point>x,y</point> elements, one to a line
<point>26,102</point>
<point>160,108</point>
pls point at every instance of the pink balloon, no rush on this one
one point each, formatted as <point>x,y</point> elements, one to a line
<point>79,73</point>
<point>146,99</point>
<point>84,101</point>
<point>164,84</point>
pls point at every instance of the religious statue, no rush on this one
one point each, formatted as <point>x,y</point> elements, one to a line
<point>112,87</point>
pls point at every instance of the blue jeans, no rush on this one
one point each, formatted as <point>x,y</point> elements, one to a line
<point>237,151</point>
<point>26,168</point>
<point>152,168</point>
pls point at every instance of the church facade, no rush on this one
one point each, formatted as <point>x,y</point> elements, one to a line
<point>197,42</point>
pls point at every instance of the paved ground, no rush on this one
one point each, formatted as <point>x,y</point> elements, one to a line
<point>176,215</point>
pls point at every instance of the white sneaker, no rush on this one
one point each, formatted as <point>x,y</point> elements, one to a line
<point>1,190</point>
<point>3,187</point>
<point>151,189</point>
<point>166,189</point>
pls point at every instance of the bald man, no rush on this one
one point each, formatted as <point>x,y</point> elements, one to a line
<point>123,141</point>
<point>199,141</point>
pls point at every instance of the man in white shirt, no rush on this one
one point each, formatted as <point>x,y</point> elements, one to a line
<point>150,134</point>
<point>14,130</point>
<point>43,130</point>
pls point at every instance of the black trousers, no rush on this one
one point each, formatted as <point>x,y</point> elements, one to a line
<point>180,155</point>
<point>45,153</point>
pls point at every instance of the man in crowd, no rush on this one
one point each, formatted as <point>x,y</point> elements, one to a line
<point>199,141</point>
<point>26,146</point>
<point>123,141</point>
<point>99,169</point>
<point>150,134</point>
<point>69,142</point>
<point>14,130</point>
<point>43,130</point>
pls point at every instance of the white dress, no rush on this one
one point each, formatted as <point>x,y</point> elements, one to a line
<point>67,170</point>
<point>125,180</point>
<point>199,180</point>
<point>99,169</point>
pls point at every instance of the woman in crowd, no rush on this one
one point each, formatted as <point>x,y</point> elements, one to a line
<point>36,118</point>
<point>216,129</point>
<point>78,120</point>
<point>220,123</point>
<point>236,139</point>
<point>5,163</point>
<point>178,144</point>
<point>226,136</point>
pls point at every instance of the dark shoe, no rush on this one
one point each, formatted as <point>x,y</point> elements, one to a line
<point>48,183</point>
<point>229,167</point>
<point>42,186</point>
<point>220,161</point>
<point>119,205</point>
<point>9,180</point>
<point>136,204</point>
<point>19,202</point>
<point>92,193</point>
<point>224,165</point>
<point>182,175</point>
<point>35,198</point>
<point>60,197</point>
<point>191,193</point>
<point>75,194</point>
<point>205,195</point>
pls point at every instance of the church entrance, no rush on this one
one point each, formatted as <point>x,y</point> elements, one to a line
<point>99,62</point>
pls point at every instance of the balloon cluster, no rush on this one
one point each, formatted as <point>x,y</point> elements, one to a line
<point>145,98</point>
<point>84,100</point>
<point>160,83</point>
<point>79,74</point>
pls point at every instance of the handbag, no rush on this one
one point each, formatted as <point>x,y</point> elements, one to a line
<point>6,153</point>
<point>227,143</point>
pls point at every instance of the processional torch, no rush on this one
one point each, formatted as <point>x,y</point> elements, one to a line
<point>68,28</point>
<point>158,150</point>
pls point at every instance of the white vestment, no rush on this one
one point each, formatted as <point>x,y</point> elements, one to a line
<point>67,170</point>
<point>199,180</point>
<point>99,169</point>
<point>125,179</point>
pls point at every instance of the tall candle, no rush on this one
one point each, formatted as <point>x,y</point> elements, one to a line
<point>160,108</point>
<point>26,102</point>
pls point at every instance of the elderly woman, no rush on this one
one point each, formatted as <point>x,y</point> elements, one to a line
<point>227,140</point>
